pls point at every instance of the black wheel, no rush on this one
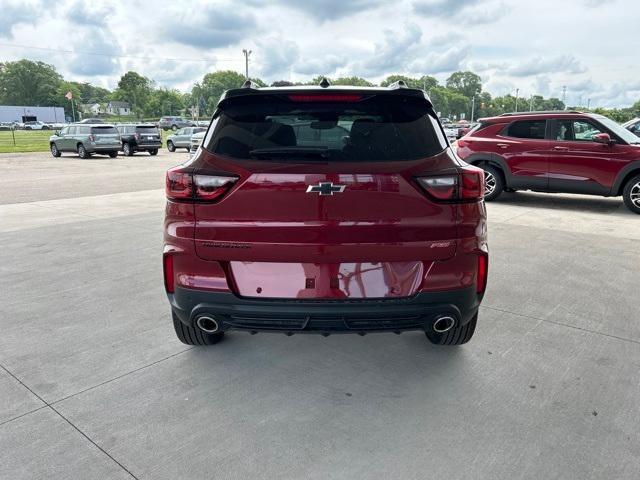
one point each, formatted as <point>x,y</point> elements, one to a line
<point>127,149</point>
<point>170,146</point>
<point>631,194</point>
<point>493,182</point>
<point>54,150</point>
<point>174,127</point>
<point>113,154</point>
<point>456,336</point>
<point>194,336</point>
<point>188,149</point>
<point>153,152</point>
<point>82,152</point>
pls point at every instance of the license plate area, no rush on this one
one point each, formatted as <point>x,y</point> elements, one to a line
<point>348,280</point>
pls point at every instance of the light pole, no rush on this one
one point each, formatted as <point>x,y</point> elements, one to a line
<point>588,103</point>
<point>531,104</point>
<point>246,61</point>
<point>517,92</point>
<point>473,107</point>
<point>564,96</point>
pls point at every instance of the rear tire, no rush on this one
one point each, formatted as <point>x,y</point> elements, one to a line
<point>127,149</point>
<point>82,152</point>
<point>170,146</point>
<point>174,127</point>
<point>458,335</point>
<point>194,336</point>
<point>631,194</point>
<point>153,152</point>
<point>113,154</point>
<point>494,182</point>
<point>54,150</point>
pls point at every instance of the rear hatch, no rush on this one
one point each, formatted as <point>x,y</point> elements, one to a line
<point>106,135</point>
<point>318,196</point>
<point>147,135</point>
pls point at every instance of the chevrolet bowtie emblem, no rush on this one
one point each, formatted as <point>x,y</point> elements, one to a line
<point>326,188</point>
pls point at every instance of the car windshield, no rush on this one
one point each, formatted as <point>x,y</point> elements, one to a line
<point>104,130</point>
<point>619,130</point>
<point>374,128</point>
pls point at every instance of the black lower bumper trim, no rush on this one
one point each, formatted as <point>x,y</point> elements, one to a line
<point>299,316</point>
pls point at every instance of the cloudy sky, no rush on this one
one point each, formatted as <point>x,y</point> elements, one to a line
<point>591,46</point>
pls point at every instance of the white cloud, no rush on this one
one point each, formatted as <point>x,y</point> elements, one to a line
<point>511,44</point>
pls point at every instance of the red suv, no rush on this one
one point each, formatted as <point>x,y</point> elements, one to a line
<point>325,209</point>
<point>562,152</point>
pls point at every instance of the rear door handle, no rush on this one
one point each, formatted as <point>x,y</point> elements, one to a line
<point>503,145</point>
<point>562,149</point>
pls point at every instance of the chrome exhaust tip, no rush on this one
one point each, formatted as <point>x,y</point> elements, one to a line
<point>207,324</point>
<point>443,324</point>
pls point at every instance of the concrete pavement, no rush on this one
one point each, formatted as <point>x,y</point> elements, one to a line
<point>94,383</point>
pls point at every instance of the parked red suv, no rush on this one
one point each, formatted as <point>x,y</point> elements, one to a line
<point>563,152</point>
<point>325,209</point>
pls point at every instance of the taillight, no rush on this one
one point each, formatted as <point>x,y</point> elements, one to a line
<point>211,187</point>
<point>179,184</point>
<point>467,185</point>
<point>483,271</point>
<point>471,183</point>
<point>182,185</point>
<point>167,265</point>
<point>137,136</point>
<point>462,143</point>
<point>92,138</point>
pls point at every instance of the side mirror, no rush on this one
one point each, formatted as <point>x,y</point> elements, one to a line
<point>602,138</point>
<point>58,133</point>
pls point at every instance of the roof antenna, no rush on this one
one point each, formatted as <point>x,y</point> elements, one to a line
<point>248,84</point>
<point>324,83</point>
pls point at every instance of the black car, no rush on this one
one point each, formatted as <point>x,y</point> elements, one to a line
<point>139,138</point>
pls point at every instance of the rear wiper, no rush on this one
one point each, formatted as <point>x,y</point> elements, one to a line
<point>322,152</point>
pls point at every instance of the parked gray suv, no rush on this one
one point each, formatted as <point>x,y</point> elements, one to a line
<point>85,140</point>
<point>174,123</point>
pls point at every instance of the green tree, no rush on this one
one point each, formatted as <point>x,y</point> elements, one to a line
<point>28,83</point>
<point>134,89</point>
<point>165,101</point>
<point>92,94</point>
<point>465,83</point>
<point>425,82</point>
<point>207,92</point>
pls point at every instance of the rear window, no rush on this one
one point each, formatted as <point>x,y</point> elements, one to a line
<point>527,129</point>
<point>148,130</point>
<point>104,130</point>
<point>378,128</point>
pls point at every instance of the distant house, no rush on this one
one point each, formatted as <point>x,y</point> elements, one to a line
<point>92,108</point>
<point>116,107</point>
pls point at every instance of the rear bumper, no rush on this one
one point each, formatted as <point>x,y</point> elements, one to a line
<point>418,312</point>
<point>148,146</point>
<point>102,148</point>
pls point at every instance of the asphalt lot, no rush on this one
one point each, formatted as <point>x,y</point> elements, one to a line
<point>94,383</point>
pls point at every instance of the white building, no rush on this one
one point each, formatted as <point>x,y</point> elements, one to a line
<point>118,108</point>
<point>14,113</point>
<point>92,108</point>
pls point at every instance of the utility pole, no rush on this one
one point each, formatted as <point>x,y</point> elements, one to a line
<point>564,96</point>
<point>588,103</point>
<point>246,61</point>
<point>531,104</point>
<point>517,92</point>
<point>473,107</point>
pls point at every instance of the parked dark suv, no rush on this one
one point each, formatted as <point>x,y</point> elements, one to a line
<point>335,209</point>
<point>563,152</point>
<point>139,138</point>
